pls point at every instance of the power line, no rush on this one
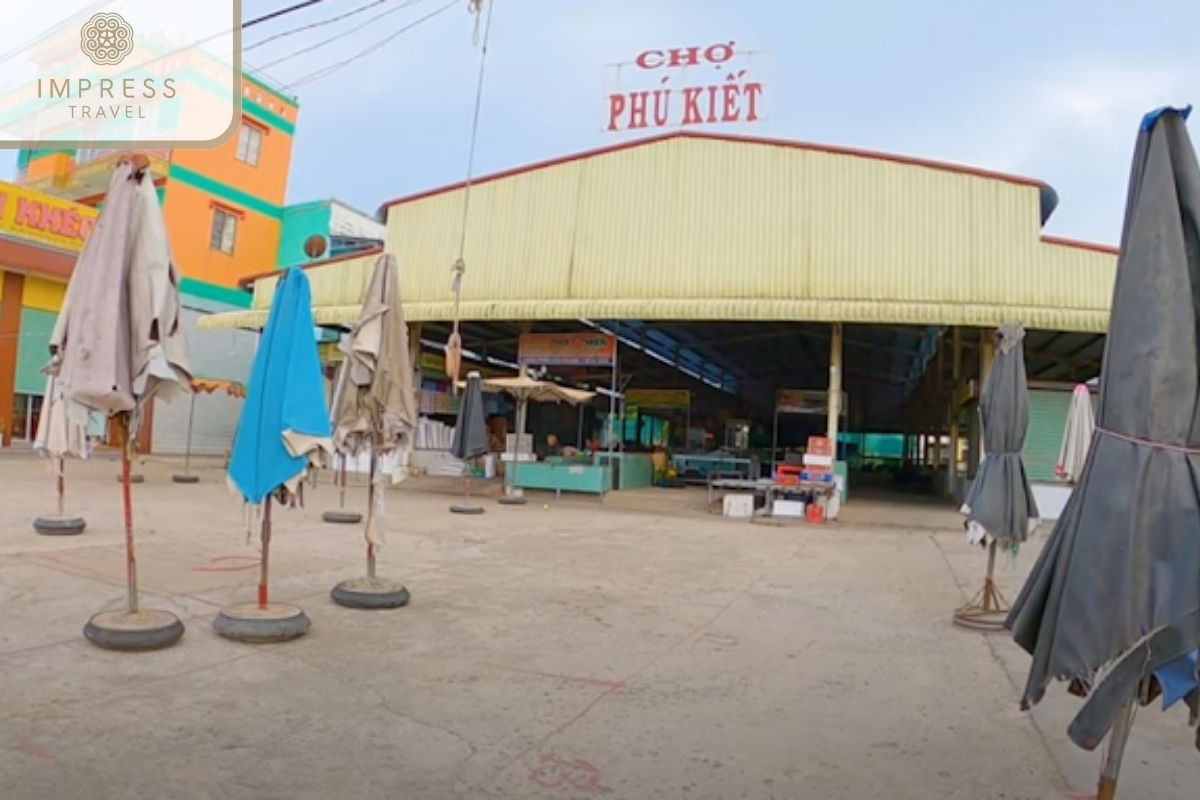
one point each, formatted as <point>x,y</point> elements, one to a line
<point>327,71</point>
<point>318,24</point>
<point>342,35</point>
<point>281,13</point>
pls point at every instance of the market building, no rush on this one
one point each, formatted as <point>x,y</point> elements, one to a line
<point>788,289</point>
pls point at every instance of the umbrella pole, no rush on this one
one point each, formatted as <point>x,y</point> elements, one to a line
<point>1114,753</point>
<point>371,509</point>
<point>341,479</point>
<point>60,484</point>
<point>127,500</point>
<point>187,450</point>
<point>265,562</point>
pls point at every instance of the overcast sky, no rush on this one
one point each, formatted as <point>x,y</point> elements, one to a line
<point>1052,90</point>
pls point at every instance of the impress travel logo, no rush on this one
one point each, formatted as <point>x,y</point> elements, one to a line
<point>121,74</point>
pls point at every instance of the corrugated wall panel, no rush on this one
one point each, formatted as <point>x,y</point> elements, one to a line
<point>685,220</point>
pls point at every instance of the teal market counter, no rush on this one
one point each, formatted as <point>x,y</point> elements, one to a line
<point>585,475</point>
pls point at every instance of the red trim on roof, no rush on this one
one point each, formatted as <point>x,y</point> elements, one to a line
<point>248,281</point>
<point>1098,248</point>
<point>722,137</point>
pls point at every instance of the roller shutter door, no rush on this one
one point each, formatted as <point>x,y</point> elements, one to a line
<point>225,355</point>
<point>1047,421</point>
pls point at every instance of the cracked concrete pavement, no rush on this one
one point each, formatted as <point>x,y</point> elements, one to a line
<point>567,652</point>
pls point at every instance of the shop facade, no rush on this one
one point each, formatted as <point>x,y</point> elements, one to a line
<point>736,269</point>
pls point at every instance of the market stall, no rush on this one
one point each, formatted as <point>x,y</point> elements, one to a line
<point>578,471</point>
<point>523,389</point>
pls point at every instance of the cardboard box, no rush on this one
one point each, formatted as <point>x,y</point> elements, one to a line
<point>819,446</point>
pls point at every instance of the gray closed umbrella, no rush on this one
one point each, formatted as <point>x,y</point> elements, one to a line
<point>1000,503</point>
<point>1119,578</point>
<point>1000,507</point>
<point>470,437</point>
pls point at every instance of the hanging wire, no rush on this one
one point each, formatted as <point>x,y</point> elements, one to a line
<point>454,344</point>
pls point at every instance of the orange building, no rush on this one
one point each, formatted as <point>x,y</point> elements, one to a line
<point>224,209</point>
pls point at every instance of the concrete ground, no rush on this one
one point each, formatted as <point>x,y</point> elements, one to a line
<point>564,652</point>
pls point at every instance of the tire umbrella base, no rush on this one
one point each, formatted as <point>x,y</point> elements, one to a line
<point>370,593</point>
<point>512,500</point>
<point>185,479</point>
<point>340,517</point>
<point>254,624</point>
<point>133,479</point>
<point>59,525</point>
<point>133,631</point>
<point>465,509</point>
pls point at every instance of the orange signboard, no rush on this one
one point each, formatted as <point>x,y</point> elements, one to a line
<point>45,219</point>
<point>567,349</point>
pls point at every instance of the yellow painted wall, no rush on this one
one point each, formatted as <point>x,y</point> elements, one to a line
<point>706,228</point>
<point>43,294</point>
<point>189,211</point>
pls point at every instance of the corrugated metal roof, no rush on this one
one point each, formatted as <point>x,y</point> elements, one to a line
<point>691,227</point>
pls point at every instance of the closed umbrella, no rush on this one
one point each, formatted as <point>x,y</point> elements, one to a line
<point>1000,507</point>
<point>282,433</point>
<point>58,433</point>
<point>375,412</point>
<point>1117,587</point>
<point>1077,437</point>
<point>470,438</point>
<point>116,344</point>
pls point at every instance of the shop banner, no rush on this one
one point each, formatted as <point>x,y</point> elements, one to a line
<point>32,216</point>
<point>567,349</point>
<point>660,398</point>
<point>805,401</point>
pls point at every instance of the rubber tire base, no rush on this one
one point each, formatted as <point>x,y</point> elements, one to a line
<point>472,510</point>
<point>59,526</point>
<point>134,479</point>
<point>267,630</point>
<point>185,479</point>
<point>146,639</point>
<point>513,500</point>
<point>383,595</point>
<point>340,517</point>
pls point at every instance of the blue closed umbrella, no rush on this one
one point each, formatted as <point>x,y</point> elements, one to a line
<point>284,425</point>
<point>284,421</point>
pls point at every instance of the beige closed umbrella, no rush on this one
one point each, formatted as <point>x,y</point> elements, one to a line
<point>118,343</point>
<point>375,412</point>
<point>1077,436</point>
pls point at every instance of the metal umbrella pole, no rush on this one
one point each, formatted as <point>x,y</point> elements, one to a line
<point>512,495</point>
<point>187,476</point>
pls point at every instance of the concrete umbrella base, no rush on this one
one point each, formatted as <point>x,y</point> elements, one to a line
<point>132,631</point>
<point>278,622</point>
<point>370,593</point>
<point>185,479</point>
<point>59,526</point>
<point>340,517</point>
